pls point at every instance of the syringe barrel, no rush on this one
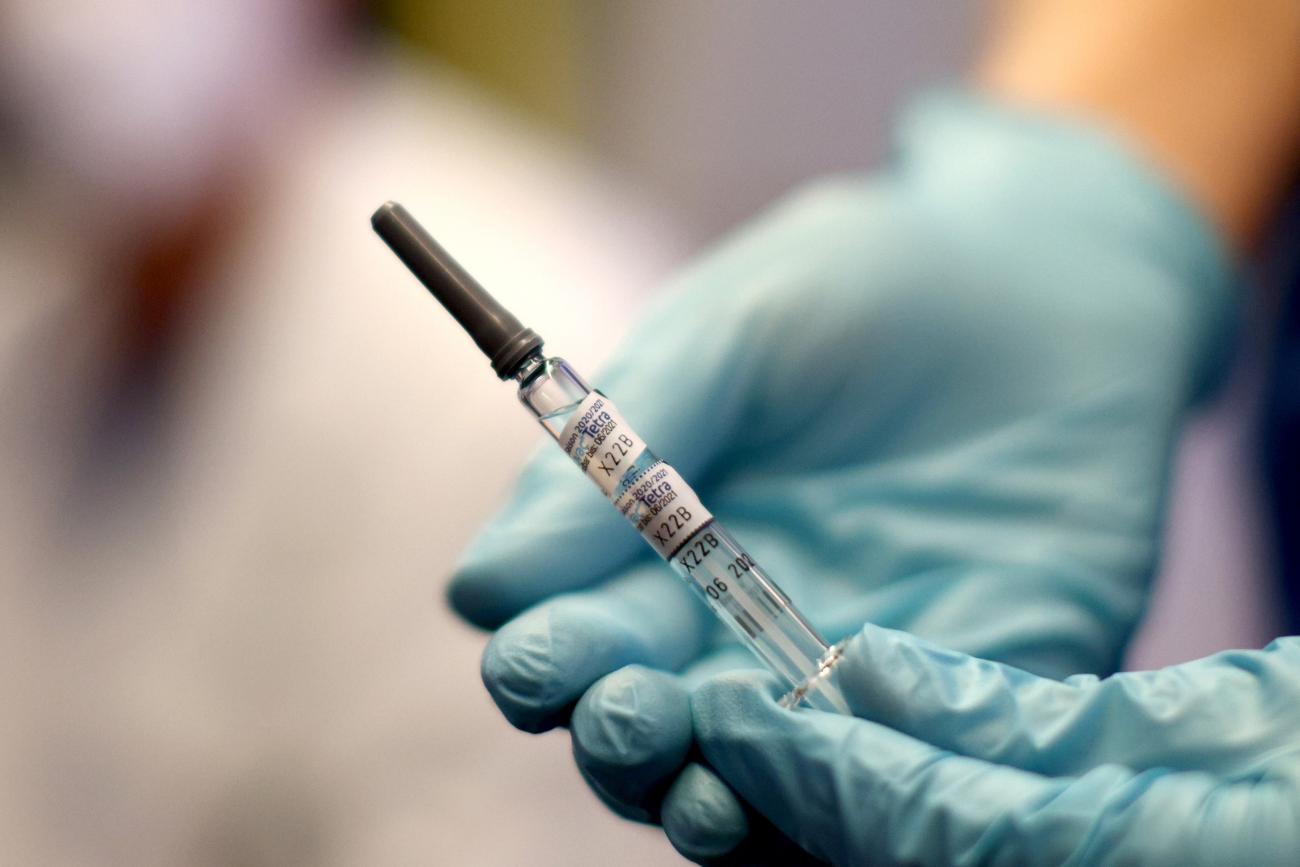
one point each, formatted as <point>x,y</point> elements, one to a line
<point>659,504</point>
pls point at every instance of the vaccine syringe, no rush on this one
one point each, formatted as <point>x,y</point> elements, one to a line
<point>649,493</point>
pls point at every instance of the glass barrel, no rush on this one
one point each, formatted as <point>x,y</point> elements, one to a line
<point>670,517</point>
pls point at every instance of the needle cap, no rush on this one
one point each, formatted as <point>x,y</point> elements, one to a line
<point>503,339</point>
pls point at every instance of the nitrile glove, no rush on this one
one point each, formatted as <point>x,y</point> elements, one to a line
<point>958,760</point>
<point>942,398</point>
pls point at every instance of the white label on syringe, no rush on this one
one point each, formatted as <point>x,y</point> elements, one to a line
<point>600,441</point>
<point>655,500</point>
<point>663,508</point>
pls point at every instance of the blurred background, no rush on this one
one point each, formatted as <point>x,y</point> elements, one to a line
<point>233,429</point>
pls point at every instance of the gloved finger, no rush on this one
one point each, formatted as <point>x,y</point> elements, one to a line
<point>702,818</point>
<point>539,664</point>
<point>682,380</point>
<point>708,824</point>
<point>631,735</point>
<point>855,792</point>
<point>1172,718</point>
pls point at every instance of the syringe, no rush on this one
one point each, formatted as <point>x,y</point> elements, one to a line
<point>646,490</point>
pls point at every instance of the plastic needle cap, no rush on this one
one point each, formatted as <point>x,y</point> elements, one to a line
<point>497,332</point>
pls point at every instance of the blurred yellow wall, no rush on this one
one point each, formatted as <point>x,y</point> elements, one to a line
<point>527,51</point>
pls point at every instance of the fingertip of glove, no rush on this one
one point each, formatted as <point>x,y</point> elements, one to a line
<point>538,664</point>
<point>477,597</point>
<point>702,817</point>
<point>519,672</point>
<point>631,733</point>
<point>634,718</point>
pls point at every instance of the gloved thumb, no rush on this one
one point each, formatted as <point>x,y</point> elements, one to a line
<point>1170,718</point>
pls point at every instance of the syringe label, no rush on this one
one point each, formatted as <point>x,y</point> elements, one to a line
<point>655,499</point>
<point>663,508</point>
<point>600,441</point>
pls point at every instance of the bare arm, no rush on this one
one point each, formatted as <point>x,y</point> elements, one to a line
<point>1207,89</point>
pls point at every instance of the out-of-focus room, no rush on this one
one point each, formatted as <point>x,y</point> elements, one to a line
<point>242,450</point>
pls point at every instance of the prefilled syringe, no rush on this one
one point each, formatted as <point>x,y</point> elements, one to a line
<point>649,493</point>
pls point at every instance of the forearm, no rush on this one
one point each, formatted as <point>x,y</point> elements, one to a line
<point>1209,90</point>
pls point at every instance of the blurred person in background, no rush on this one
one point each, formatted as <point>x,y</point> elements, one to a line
<point>944,401</point>
<point>232,435</point>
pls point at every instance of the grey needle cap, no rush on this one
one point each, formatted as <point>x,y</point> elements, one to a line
<point>503,339</point>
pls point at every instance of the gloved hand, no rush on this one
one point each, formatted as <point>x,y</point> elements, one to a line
<point>940,399</point>
<point>959,760</point>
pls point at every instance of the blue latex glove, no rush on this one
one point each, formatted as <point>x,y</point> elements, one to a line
<point>940,399</point>
<point>959,760</point>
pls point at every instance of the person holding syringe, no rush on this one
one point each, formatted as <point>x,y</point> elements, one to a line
<point>942,402</point>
